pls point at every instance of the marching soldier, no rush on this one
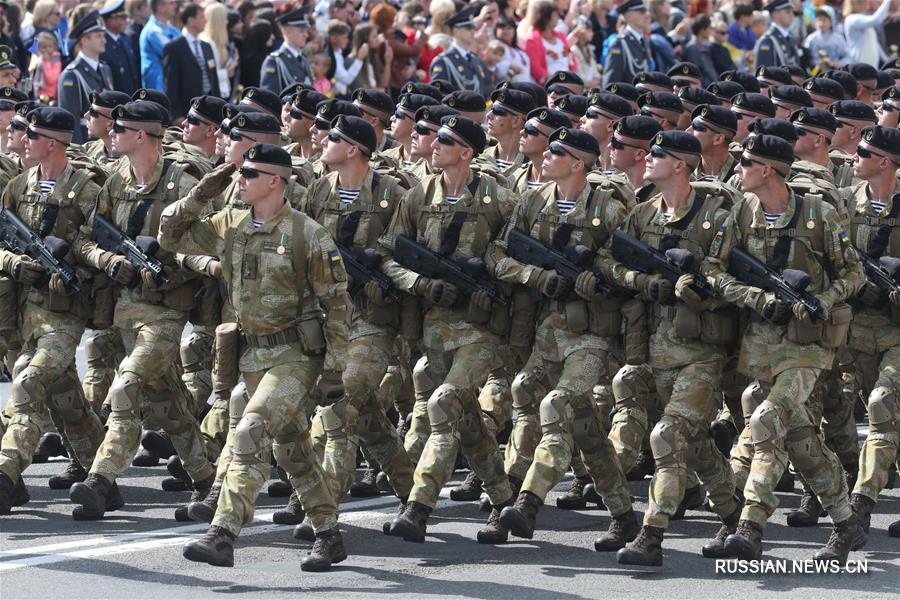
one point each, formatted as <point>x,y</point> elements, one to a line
<point>282,270</point>
<point>598,120</point>
<point>86,73</point>
<point>629,54</point>
<point>776,48</point>
<point>54,199</point>
<point>300,121</point>
<point>505,122</point>
<point>98,120</point>
<point>541,123</point>
<point>403,124</point>
<point>376,107</point>
<point>287,65</point>
<point>852,116</point>
<point>715,127</point>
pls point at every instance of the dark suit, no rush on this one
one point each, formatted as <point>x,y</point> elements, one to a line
<point>626,56</point>
<point>76,83</point>
<point>183,77</point>
<point>124,63</point>
<point>281,69</point>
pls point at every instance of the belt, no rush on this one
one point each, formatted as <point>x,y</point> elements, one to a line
<point>665,312</point>
<point>279,338</point>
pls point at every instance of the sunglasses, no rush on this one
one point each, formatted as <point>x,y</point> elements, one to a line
<point>860,151</point>
<point>119,128</point>
<point>841,124</point>
<point>558,149</point>
<point>6,106</point>
<point>697,125</point>
<point>653,115</point>
<point>618,144</point>
<point>423,130</point>
<point>97,114</point>
<point>251,173</point>
<point>192,120</point>
<point>680,83</point>
<point>236,136</point>
<point>593,114</point>
<point>748,162</point>
<point>445,139</point>
<point>18,126</point>
<point>500,111</point>
<point>884,107</point>
<point>533,131</point>
<point>400,115</point>
<point>334,138</point>
<point>800,132</point>
<point>322,126</point>
<point>659,152</point>
<point>33,135</point>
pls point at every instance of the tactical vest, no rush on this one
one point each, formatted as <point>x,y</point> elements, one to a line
<point>879,236</point>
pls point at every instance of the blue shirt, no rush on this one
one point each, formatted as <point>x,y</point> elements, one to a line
<point>154,36</point>
<point>741,38</point>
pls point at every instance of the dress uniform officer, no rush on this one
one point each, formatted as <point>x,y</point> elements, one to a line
<point>287,65</point>
<point>629,53</point>
<point>86,73</point>
<point>776,47</point>
<point>119,53</point>
<point>458,65</point>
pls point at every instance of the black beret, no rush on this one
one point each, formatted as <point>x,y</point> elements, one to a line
<point>895,73</point>
<point>853,109</point>
<point>356,130</point>
<point>26,106</point>
<point>817,118</point>
<point>885,80</point>
<point>565,78</point>
<point>550,117</point>
<point>679,142</point>
<point>883,138</point>
<point>210,108</point>
<point>697,96</point>
<point>375,101</point>
<point>9,96</point>
<point>653,78</point>
<point>778,5</point>
<point>790,94</point>
<point>773,75</point>
<point>822,86</point>
<point>610,104</point>
<point>89,23</point>
<point>444,86</point>
<point>417,87</point>
<point>295,18</point>
<point>288,93</point>
<point>259,122</point>
<point>798,74</point>
<point>661,100</point>
<point>52,118</point>
<point>638,127</point>
<point>775,127</point>
<point>891,63</point>
<point>6,54</point>
<point>306,102</point>
<point>892,94</point>
<point>537,92</point>
<point>632,5</point>
<point>269,154</point>
<point>626,90</point>
<point>717,117</point>
<point>754,102</point>
<point>468,130</point>
<point>573,104</point>
<point>577,139</point>
<point>725,90</point>
<point>141,111</point>
<point>464,18</point>
<point>848,82</point>
<point>434,114</point>
<point>514,100</point>
<point>152,95</point>
<point>327,110</point>
<point>232,110</point>
<point>745,79</point>
<point>464,100</point>
<point>269,101</point>
<point>861,71</point>
<point>684,70</point>
<point>110,98</point>
<point>410,103</point>
<point>770,147</point>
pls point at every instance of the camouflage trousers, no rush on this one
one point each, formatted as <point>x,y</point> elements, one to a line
<point>881,375</point>
<point>733,385</point>
<point>569,417</point>
<point>45,379</point>
<point>275,419</point>
<point>148,385</point>
<point>196,361</point>
<point>359,418</point>
<point>780,426</point>
<point>224,377</point>
<point>104,351</point>
<point>682,443</point>
<point>635,405</point>
<point>214,428</point>
<point>834,409</point>
<point>456,422</point>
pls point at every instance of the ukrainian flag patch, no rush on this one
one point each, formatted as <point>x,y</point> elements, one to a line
<point>335,255</point>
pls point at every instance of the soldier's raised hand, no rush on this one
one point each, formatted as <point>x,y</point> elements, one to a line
<point>215,182</point>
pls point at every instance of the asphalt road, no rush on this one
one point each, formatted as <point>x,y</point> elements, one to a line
<point>136,553</point>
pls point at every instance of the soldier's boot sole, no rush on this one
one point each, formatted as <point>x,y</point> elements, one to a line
<point>737,546</point>
<point>92,505</point>
<point>200,512</point>
<point>173,484</point>
<point>200,551</point>
<point>518,524</point>
<point>630,556</point>
<point>384,486</point>
<point>894,529</point>
<point>144,458</point>
<point>304,532</point>
<point>181,514</point>
<point>319,564</point>
<point>591,495</point>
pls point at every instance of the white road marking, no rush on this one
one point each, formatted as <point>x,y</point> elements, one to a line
<point>351,513</point>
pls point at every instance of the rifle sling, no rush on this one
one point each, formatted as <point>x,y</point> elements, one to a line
<point>670,240</point>
<point>878,243</point>
<point>451,236</point>
<point>136,221</point>
<point>783,243</point>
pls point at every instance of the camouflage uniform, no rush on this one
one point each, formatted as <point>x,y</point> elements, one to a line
<point>51,324</point>
<point>686,356</point>
<point>875,346</point>
<point>460,350</point>
<point>786,361</point>
<point>103,351</point>
<point>570,353</point>
<point>360,415</point>
<point>147,383</point>
<point>280,277</point>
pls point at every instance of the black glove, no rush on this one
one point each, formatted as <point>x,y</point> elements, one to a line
<point>27,271</point>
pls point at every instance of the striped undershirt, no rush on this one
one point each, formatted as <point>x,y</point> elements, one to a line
<point>878,206</point>
<point>771,217</point>
<point>452,199</point>
<point>407,163</point>
<point>46,186</point>
<point>503,164</point>
<point>348,196</point>
<point>667,216</point>
<point>257,223</point>
<point>534,184</point>
<point>565,206</point>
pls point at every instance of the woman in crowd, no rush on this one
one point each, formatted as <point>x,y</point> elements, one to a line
<point>257,45</point>
<point>859,27</point>
<point>224,52</point>
<point>515,64</point>
<point>547,49</point>
<point>376,56</point>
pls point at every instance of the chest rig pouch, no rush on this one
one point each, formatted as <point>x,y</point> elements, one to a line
<point>879,243</point>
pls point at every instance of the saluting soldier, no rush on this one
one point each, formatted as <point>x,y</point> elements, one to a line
<point>776,48</point>
<point>287,65</point>
<point>629,54</point>
<point>86,73</point>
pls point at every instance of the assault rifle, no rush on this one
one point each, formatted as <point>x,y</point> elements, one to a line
<point>48,252</point>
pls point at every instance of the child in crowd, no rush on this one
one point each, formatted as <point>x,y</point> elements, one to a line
<point>320,64</point>
<point>46,66</point>
<point>493,55</point>
<point>824,40</point>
